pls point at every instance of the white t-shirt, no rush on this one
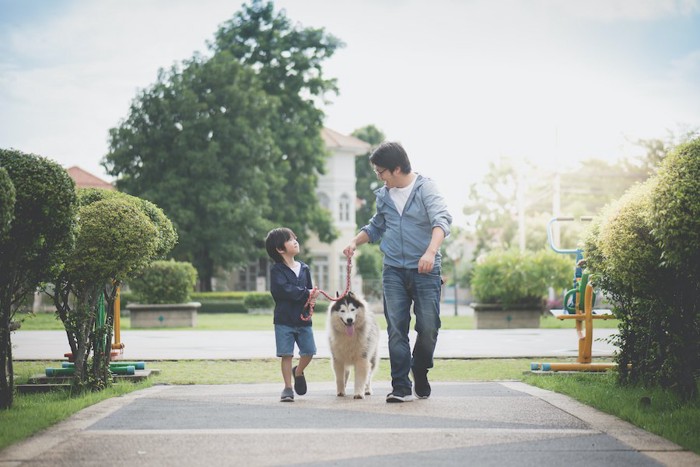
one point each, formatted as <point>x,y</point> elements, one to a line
<point>297,268</point>
<point>400,195</point>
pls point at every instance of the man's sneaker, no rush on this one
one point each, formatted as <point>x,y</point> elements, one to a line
<point>422,386</point>
<point>299,382</point>
<point>399,395</point>
<point>287,395</point>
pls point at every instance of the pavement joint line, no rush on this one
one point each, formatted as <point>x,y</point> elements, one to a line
<point>369,431</point>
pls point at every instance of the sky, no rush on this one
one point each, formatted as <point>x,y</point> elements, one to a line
<point>460,83</point>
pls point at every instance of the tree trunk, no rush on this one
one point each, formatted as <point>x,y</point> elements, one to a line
<point>6,373</point>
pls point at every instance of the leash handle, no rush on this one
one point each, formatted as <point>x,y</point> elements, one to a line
<point>310,303</point>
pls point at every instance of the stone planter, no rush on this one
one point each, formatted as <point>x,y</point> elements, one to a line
<point>492,316</point>
<point>177,315</point>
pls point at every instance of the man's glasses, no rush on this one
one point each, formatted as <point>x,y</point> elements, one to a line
<point>379,172</point>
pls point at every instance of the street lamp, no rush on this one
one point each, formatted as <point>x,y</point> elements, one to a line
<point>454,252</point>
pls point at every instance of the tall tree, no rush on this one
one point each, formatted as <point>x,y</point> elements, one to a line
<point>229,146</point>
<point>288,60</point>
<point>492,209</point>
<point>39,237</point>
<point>365,178</point>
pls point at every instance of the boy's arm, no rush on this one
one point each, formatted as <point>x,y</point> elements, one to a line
<point>282,289</point>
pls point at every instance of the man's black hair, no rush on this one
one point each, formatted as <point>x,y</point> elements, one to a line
<point>390,155</point>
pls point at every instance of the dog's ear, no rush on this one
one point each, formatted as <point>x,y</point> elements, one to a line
<point>351,294</point>
<point>337,294</point>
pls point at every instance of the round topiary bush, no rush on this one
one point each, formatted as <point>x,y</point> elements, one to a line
<point>7,202</point>
<point>512,278</point>
<point>165,282</point>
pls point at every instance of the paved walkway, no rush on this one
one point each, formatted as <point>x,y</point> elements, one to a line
<point>214,345</point>
<point>482,423</point>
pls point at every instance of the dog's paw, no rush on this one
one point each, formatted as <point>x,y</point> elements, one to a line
<point>341,394</point>
<point>368,392</point>
<point>359,396</point>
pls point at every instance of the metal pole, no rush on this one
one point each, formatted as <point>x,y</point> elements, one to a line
<point>454,263</point>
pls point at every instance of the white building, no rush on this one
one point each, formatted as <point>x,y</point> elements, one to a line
<point>336,192</point>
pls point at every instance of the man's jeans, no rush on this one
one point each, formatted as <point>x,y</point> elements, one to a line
<point>401,288</point>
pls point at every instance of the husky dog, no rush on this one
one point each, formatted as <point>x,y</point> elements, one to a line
<point>353,335</point>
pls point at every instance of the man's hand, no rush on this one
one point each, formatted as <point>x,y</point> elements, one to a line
<point>349,250</point>
<point>426,262</point>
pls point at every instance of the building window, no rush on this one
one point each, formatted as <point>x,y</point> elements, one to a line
<point>320,272</point>
<point>344,208</point>
<point>324,201</point>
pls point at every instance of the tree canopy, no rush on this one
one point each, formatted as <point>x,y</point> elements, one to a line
<point>117,236</point>
<point>7,202</point>
<point>39,236</point>
<point>229,145</point>
<point>365,178</point>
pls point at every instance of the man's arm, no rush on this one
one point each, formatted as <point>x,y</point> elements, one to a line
<point>427,261</point>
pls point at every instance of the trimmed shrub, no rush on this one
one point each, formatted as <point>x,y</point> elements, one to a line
<point>32,248</point>
<point>236,296</point>
<point>259,300</point>
<point>165,282</point>
<point>7,202</point>
<point>512,278</point>
<point>644,252</point>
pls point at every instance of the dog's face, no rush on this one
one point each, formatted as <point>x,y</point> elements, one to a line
<point>346,312</point>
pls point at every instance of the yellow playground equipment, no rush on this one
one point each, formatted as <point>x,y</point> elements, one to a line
<point>578,306</point>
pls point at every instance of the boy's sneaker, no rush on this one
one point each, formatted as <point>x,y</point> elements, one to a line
<point>399,395</point>
<point>420,380</point>
<point>299,382</point>
<point>287,395</point>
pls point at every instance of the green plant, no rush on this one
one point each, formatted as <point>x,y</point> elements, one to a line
<point>7,202</point>
<point>36,242</point>
<point>258,300</point>
<point>512,278</point>
<point>165,282</point>
<point>643,251</point>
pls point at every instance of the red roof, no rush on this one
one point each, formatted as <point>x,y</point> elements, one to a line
<point>85,179</point>
<point>333,139</point>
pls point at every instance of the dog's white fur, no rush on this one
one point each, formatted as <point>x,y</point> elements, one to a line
<point>353,335</point>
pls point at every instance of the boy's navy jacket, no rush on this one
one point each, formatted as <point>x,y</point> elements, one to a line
<point>290,293</point>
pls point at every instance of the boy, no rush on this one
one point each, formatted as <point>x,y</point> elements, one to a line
<point>291,287</point>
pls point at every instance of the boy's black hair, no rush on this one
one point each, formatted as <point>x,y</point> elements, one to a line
<point>391,155</point>
<point>275,240</point>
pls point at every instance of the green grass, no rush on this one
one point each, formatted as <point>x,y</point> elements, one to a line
<point>245,322</point>
<point>32,413</point>
<point>665,415</point>
<point>654,410</point>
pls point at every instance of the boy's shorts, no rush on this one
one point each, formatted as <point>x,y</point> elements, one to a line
<point>286,336</point>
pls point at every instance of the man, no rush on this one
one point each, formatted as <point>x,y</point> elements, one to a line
<point>411,221</point>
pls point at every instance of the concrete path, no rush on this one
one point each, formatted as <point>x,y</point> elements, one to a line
<point>479,424</point>
<point>213,345</point>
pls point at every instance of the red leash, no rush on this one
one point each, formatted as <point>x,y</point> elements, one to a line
<point>311,303</point>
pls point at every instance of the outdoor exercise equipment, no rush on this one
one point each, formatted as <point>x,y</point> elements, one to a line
<point>69,371</point>
<point>578,305</point>
<point>117,348</point>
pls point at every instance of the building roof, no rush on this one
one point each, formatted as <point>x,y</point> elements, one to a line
<point>85,179</point>
<point>336,140</point>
